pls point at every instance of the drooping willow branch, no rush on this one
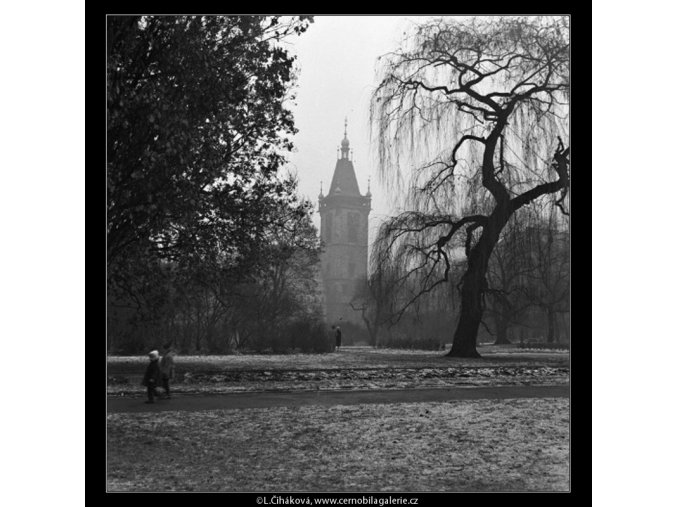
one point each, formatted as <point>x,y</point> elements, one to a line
<point>466,118</point>
<point>429,255</point>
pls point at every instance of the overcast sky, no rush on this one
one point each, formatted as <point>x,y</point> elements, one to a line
<point>336,58</point>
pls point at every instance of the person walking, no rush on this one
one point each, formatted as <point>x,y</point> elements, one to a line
<point>167,368</point>
<point>152,376</point>
<point>338,338</point>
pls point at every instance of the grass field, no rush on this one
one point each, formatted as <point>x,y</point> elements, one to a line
<point>352,368</point>
<point>483,445</point>
<point>349,357</point>
<point>480,445</point>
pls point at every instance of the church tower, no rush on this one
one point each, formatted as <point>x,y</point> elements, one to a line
<point>344,214</point>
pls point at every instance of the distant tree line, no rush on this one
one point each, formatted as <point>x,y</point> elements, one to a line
<point>208,244</point>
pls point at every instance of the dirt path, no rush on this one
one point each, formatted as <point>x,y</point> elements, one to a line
<point>344,397</point>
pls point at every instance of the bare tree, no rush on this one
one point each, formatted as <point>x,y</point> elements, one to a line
<point>547,279</point>
<point>374,301</point>
<point>506,275</point>
<point>475,107</point>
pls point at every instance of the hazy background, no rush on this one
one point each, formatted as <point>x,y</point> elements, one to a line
<point>337,64</point>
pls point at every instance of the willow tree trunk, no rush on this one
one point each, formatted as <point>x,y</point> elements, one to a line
<point>474,284</point>
<point>465,337</point>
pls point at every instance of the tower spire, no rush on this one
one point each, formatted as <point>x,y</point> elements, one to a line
<point>345,144</point>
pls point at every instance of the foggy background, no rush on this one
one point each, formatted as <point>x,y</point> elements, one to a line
<point>336,58</point>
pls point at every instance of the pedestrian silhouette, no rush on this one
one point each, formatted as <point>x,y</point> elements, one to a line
<point>152,376</point>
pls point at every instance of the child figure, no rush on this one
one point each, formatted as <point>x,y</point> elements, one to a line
<point>152,377</point>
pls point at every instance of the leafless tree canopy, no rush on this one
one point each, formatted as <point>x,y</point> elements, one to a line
<point>471,123</point>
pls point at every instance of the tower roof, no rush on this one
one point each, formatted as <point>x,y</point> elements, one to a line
<point>344,181</point>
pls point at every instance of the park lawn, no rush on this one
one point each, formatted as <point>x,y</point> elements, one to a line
<point>362,379</point>
<point>352,368</point>
<point>349,358</point>
<point>479,445</point>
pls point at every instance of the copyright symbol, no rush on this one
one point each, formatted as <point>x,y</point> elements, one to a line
<point>259,500</point>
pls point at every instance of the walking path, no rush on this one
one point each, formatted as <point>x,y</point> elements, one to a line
<point>340,397</point>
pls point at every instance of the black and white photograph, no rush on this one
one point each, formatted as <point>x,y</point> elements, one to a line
<point>337,258</point>
<point>338,253</point>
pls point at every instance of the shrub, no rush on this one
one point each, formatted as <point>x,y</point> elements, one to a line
<point>304,335</point>
<point>410,341</point>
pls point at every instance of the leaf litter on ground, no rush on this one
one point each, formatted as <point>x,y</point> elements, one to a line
<point>479,445</point>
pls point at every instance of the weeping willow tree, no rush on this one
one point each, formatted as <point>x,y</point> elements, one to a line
<point>471,123</point>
